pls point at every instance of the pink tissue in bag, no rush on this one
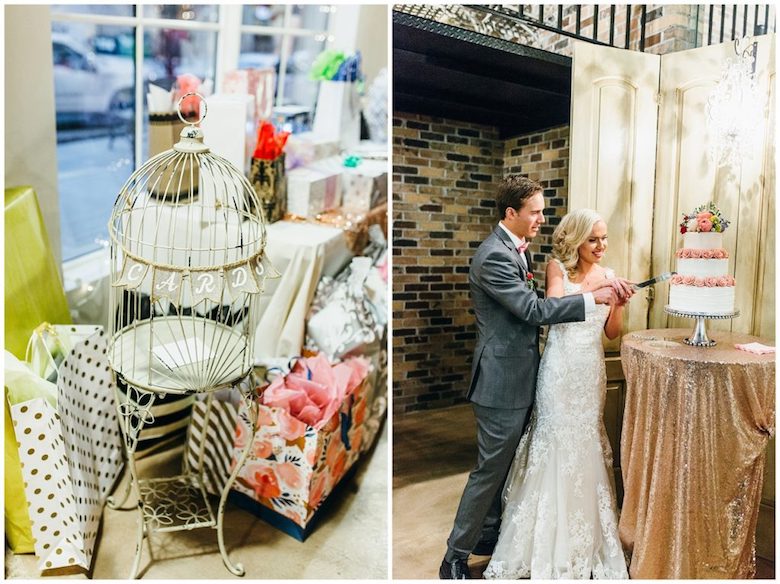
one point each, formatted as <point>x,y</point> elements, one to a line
<point>314,390</point>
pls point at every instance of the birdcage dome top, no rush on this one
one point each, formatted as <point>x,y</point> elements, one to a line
<point>188,209</point>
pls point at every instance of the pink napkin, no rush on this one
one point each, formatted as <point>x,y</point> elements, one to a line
<point>756,348</point>
<point>314,390</point>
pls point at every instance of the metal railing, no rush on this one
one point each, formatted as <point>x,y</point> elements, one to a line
<point>755,21</point>
<point>723,23</point>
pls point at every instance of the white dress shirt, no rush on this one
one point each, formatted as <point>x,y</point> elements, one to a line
<point>590,303</point>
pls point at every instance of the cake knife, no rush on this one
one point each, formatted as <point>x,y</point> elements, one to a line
<point>660,278</point>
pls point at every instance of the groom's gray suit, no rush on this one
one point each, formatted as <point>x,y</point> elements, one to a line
<point>503,378</point>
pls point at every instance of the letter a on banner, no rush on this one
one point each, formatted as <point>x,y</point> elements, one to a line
<point>167,285</point>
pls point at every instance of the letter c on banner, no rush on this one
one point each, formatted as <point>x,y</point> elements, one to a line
<point>134,275</point>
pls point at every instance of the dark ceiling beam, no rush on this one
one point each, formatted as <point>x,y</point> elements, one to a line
<point>509,123</point>
<point>409,62</point>
<point>452,73</point>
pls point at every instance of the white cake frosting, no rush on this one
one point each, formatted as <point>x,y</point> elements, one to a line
<point>702,283</point>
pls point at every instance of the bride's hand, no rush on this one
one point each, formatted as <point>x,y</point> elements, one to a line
<point>623,288</point>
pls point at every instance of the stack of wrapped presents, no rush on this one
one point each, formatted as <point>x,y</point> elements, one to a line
<point>321,342</point>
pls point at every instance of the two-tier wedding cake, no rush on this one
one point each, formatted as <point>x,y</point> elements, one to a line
<point>702,283</point>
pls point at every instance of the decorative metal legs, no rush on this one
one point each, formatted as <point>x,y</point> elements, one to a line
<point>247,394</point>
<point>172,503</point>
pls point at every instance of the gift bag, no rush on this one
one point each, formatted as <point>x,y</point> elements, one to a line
<point>293,466</point>
<point>164,131</point>
<point>69,447</point>
<point>338,113</point>
<point>348,312</point>
<point>270,184</point>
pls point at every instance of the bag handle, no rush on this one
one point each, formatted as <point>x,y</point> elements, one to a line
<point>37,333</point>
<point>290,365</point>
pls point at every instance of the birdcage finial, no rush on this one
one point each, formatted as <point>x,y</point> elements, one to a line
<point>191,135</point>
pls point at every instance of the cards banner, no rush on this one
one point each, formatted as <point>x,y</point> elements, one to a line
<point>216,285</point>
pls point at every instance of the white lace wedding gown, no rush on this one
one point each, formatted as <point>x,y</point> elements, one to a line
<point>560,512</point>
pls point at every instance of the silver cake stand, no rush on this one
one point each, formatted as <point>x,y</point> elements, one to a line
<point>699,337</point>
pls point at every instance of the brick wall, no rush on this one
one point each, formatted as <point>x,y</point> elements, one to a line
<point>444,179</point>
<point>543,156</point>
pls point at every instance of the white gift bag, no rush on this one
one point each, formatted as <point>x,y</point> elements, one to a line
<point>70,452</point>
<point>338,113</point>
<point>349,313</point>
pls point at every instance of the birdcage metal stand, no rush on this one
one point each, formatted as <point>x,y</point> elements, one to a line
<point>188,264</point>
<point>179,502</point>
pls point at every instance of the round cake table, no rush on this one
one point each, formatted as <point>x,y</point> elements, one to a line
<point>695,429</point>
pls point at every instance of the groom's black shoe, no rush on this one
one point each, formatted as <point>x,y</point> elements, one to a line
<point>484,548</point>
<point>456,570</point>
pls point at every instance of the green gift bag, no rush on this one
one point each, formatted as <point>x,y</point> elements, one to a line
<point>33,294</point>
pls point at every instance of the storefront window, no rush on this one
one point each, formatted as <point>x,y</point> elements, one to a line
<point>99,141</point>
<point>94,80</point>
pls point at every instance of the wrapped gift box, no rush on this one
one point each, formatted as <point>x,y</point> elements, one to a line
<point>313,190</point>
<point>363,187</point>
<point>306,148</point>
<point>259,83</point>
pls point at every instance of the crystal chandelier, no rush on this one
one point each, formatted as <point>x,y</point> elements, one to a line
<point>735,110</point>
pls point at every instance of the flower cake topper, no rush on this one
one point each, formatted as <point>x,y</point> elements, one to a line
<point>704,219</point>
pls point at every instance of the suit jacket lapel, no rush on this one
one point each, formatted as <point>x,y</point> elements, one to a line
<point>501,234</point>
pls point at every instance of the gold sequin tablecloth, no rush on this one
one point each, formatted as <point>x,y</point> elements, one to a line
<point>695,429</point>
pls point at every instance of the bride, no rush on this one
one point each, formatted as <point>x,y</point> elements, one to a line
<point>560,513</point>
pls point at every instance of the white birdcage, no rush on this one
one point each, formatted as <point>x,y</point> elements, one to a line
<point>187,255</point>
<point>188,265</point>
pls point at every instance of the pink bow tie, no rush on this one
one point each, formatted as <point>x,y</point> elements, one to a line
<point>522,247</point>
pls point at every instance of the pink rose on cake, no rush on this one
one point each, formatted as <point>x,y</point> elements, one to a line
<point>699,282</point>
<point>689,280</point>
<point>713,281</point>
<point>704,225</point>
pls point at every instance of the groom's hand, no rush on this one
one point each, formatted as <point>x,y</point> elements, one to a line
<point>605,295</point>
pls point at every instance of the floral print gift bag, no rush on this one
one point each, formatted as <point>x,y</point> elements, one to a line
<point>310,432</point>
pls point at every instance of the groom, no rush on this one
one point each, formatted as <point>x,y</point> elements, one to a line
<point>506,359</point>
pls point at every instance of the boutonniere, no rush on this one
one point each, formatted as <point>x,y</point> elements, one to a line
<point>530,281</point>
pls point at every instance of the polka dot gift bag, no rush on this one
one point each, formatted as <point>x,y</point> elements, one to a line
<point>68,440</point>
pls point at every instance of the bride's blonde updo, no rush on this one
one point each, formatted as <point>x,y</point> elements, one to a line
<point>573,230</point>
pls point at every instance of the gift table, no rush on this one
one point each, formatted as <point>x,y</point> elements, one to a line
<point>695,430</point>
<point>302,253</point>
